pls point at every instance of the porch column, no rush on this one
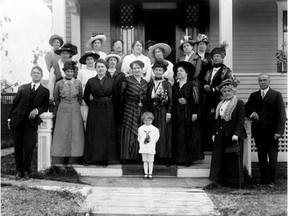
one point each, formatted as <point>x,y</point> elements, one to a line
<point>74,9</point>
<point>59,18</point>
<point>45,141</point>
<point>226,29</point>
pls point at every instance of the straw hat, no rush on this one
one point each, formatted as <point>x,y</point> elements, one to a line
<point>109,55</point>
<point>97,36</point>
<point>164,46</point>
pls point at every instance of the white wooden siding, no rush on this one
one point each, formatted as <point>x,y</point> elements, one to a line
<point>95,18</point>
<point>254,36</point>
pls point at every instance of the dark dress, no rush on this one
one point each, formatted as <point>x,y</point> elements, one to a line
<point>226,167</point>
<point>100,140</point>
<point>186,134</point>
<point>133,93</point>
<point>159,110</point>
<point>210,102</point>
<point>118,78</point>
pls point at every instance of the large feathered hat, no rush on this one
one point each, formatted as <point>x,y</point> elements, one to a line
<point>220,50</point>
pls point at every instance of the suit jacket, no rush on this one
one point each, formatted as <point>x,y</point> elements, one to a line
<point>236,125</point>
<point>194,59</point>
<point>271,111</point>
<point>20,104</point>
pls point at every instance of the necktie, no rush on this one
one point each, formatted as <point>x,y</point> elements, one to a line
<point>262,94</point>
<point>34,88</point>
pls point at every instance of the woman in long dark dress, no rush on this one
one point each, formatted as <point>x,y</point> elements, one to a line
<point>186,132</point>
<point>229,133</point>
<point>134,103</point>
<point>113,59</point>
<point>160,104</point>
<point>100,140</point>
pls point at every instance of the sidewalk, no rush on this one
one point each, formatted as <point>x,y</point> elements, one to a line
<point>134,196</point>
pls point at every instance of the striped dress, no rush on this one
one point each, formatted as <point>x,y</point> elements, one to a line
<point>134,100</point>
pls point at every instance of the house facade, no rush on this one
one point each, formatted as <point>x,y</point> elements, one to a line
<point>254,29</point>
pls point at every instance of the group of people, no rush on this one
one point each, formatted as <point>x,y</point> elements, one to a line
<point>184,108</point>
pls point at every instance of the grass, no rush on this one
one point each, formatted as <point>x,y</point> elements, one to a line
<point>252,199</point>
<point>32,201</point>
<point>61,173</point>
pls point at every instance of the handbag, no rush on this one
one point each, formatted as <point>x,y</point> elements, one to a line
<point>234,148</point>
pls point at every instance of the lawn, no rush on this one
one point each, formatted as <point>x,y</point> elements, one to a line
<point>252,200</point>
<point>30,201</point>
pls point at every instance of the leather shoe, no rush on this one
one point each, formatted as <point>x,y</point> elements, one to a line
<point>18,176</point>
<point>27,175</point>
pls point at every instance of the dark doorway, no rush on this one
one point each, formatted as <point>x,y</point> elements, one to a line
<point>160,27</point>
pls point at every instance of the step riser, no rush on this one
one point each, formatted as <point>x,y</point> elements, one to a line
<point>117,171</point>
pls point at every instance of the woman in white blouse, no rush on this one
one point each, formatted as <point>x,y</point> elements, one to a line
<point>95,44</point>
<point>84,75</point>
<point>137,48</point>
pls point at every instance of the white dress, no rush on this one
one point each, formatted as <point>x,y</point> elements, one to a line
<point>84,75</point>
<point>150,147</point>
<point>147,70</point>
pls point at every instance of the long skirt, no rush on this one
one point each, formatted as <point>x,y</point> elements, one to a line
<point>68,138</point>
<point>100,140</point>
<point>164,144</point>
<point>226,167</point>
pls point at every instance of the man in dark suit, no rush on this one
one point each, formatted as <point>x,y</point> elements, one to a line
<point>267,111</point>
<point>31,100</point>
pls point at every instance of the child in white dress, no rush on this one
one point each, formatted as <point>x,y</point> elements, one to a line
<point>148,135</point>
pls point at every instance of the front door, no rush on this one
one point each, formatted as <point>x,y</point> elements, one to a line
<point>160,27</point>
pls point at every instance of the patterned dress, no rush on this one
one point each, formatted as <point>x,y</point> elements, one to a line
<point>133,99</point>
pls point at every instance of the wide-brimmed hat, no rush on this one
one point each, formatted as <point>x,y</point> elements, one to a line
<point>68,47</point>
<point>160,63</point>
<point>164,46</point>
<point>54,37</point>
<point>114,55</point>
<point>229,83</point>
<point>202,38</point>
<point>187,39</point>
<point>187,65</point>
<point>82,60</point>
<point>95,36</point>
<point>69,65</point>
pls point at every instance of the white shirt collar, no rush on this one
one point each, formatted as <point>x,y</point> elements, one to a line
<point>36,85</point>
<point>265,91</point>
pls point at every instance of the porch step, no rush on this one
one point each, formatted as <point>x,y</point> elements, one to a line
<point>158,170</point>
<point>198,169</point>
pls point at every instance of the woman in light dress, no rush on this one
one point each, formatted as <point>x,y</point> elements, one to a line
<point>95,44</point>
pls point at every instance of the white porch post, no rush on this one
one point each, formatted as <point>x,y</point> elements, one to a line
<point>74,8</point>
<point>59,18</point>
<point>45,141</point>
<point>226,29</point>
